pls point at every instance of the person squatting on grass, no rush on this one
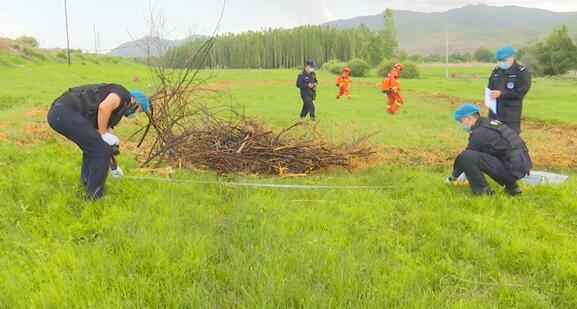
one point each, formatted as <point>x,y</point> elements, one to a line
<point>86,115</point>
<point>509,84</point>
<point>307,83</point>
<point>494,149</point>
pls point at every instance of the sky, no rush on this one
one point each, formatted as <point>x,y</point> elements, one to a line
<point>117,21</point>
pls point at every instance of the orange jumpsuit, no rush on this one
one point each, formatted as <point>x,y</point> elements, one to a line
<point>343,82</point>
<point>392,86</point>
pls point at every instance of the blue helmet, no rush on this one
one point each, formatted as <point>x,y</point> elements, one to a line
<point>142,99</point>
<point>465,110</point>
<point>504,52</point>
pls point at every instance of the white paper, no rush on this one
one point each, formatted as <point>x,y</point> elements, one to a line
<point>490,103</point>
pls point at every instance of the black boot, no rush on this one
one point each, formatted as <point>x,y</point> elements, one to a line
<point>513,190</point>
<point>486,191</point>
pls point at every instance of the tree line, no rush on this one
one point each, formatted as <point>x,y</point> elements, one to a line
<point>289,48</point>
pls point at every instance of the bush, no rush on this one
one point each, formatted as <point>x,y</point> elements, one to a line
<point>33,54</point>
<point>359,67</point>
<point>483,54</point>
<point>557,54</point>
<point>334,66</point>
<point>530,61</point>
<point>27,42</point>
<point>411,69</point>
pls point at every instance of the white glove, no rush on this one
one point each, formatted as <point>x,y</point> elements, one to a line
<point>117,173</point>
<point>110,139</point>
<point>463,179</point>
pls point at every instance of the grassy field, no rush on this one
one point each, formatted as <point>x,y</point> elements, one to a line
<point>158,244</point>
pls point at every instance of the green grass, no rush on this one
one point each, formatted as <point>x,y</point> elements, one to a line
<point>158,244</point>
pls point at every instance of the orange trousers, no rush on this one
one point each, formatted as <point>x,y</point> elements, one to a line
<point>395,102</point>
<point>344,90</point>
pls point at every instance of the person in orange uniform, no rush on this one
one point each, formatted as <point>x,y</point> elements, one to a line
<point>392,87</point>
<point>343,82</point>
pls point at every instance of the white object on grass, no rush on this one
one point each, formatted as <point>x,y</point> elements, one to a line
<point>544,178</point>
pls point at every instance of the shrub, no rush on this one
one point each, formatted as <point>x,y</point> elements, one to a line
<point>334,66</point>
<point>359,67</point>
<point>27,42</point>
<point>411,69</point>
<point>33,54</point>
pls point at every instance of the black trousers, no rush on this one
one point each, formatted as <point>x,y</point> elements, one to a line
<point>475,164</point>
<point>308,107</point>
<point>96,153</point>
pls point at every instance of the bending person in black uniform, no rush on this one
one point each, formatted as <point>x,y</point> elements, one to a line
<point>509,83</point>
<point>307,83</point>
<point>494,149</point>
<point>86,115</point>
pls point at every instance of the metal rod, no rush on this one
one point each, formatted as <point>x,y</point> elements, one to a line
<point>67,36</point>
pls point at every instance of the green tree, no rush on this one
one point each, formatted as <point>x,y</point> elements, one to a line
<point>557,55</point>
<point>483,54</point>
<point>27,42</point>
<point>289,48</point>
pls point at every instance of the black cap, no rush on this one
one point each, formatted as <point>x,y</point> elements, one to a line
<point>310,63</point>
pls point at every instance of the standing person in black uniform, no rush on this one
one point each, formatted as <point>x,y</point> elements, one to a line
<point>494,149</point>
<point>307,83</point>
<point>86,115</point>
<point>509,83</point>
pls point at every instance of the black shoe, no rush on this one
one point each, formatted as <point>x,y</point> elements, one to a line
<point>487,191</point>
<point>513,190</point>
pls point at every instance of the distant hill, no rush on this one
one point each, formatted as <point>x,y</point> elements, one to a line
<point>134,49</point>
<point>470,27</point>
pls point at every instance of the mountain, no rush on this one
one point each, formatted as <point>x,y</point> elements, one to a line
<point>138,48</point>
<point>470,27</point>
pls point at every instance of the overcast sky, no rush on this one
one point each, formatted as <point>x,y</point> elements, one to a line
<point>116,19</point>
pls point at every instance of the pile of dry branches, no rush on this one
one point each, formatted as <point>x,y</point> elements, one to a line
<point>191,128</point>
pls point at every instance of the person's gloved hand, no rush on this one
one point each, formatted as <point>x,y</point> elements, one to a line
<point>463,179</point>
<point>110,139</point>
<point>117,173</point>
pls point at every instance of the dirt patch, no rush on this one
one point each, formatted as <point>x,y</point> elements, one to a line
<point>9,45</point>
<point>551,145</point>
<point>33,133</point>
<point>454,100</point>
<point>5,124</point>
<point>38,112</point>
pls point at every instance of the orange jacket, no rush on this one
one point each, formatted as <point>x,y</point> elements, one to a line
<point>391,81</point>
<point>344,80</point>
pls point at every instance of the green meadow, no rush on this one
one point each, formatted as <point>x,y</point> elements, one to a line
<point>418,243</point>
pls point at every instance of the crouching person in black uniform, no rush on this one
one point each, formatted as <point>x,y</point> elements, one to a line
<point>494,149</point>
<point>86,116</point>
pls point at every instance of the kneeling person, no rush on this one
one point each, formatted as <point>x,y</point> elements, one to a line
<point>494,149</point>
<point>86,116</point>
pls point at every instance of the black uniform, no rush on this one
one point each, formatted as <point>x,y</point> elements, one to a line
<point>75,115</point>
<point>514,84</point>
<point>308,95</point>
<point>496,150</point>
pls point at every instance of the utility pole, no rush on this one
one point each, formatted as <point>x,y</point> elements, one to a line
<point>447,53</point>
<point>67,36</point>
<point>95,40</point>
